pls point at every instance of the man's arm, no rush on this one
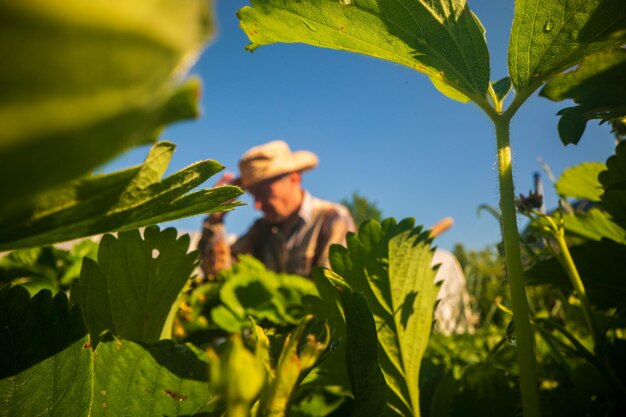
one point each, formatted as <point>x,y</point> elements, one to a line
<point>337,223</point>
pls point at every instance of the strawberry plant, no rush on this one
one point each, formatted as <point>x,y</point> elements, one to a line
<point>446,41</point>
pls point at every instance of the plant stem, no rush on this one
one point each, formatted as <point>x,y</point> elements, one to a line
<point>523,332</point>
<point>570,268</point>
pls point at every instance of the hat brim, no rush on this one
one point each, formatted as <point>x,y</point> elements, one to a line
<point>298,161</point>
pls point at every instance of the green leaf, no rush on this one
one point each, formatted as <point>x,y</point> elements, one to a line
<point>581,181</point>
<point>549,37</point>
<point>390,264</point>
<point>123,200</point>
<point>601,268</point>
<point>80,83</point>
<point>614,182</point>
<point>485,392</point>
<point>44,361</point>
<point>163,379</point>
<point>598,86</point>
<point>366,378</point>
<point>502,87</point>
<point>132,286</point>
<point>594,225</point>
<point>442,39</point>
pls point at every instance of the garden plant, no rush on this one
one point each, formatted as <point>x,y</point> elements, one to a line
<point>123,327</point>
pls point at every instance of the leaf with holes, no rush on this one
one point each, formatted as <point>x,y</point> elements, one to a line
<point>130,289</point>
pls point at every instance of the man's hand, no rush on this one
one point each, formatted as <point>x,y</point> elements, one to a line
<point>226,179</point>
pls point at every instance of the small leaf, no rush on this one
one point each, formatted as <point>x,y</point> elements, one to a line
<point>549,37</point>
<point>581,181</point>
<point>132,286</point>
<point>571,125</point>
<point>594,225</point>
<point>502,87</point>
<point>90,81</point>
<point>45,361</point>
<point>442,39</point>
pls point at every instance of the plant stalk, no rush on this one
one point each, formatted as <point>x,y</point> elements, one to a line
<point>570,268</point>
<point>523,332</point>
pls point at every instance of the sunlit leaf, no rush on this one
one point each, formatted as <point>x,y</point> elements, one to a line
<point>162,379</point>
<point>581,181</point>
<point>390,264</point>
<point>442,39</point>
<point>81,82</point>
<point>598,86</point>
<point>133,284</point>
<point>44,360</point>
<point>123,200</point>
<point>548,37</point>
<point>614,182</point>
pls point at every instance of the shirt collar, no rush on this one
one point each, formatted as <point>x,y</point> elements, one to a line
<point>306,208</point>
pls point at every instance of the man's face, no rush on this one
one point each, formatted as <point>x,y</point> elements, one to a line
<point>277,198</point>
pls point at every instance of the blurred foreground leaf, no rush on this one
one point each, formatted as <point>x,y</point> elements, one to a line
<point>614,182</point>
<point>122,200</point>
<point>581,181</point>
<point>81,82</point>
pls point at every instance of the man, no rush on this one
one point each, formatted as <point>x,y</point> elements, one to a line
<point>296,229</point>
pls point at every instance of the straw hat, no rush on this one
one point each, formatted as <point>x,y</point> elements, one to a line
<point>271,160</point>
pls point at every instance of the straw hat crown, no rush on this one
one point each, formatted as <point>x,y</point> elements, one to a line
<point>272,159</point>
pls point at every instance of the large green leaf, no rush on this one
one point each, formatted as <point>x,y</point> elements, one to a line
<point>614,182</point>
<point>601,268</point>
<point>442,39</point>
<point>390,264</point>
<point>548,37</point>
<point>581,181</point>
<point>44,359</point>
<point>132,286</point>
<point>123,200</point>
<point>81,82</point>
<point>163,379</point>
<point>598,86</point>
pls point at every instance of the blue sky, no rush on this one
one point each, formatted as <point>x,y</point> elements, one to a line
<point>378,128</point>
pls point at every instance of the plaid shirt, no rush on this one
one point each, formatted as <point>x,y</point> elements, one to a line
<point>310,232</point>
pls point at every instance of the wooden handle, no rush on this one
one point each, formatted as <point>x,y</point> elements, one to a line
<point>441,226</point>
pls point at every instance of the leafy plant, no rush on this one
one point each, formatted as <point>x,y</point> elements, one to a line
<point>362,209</point>
<point>446,41</point>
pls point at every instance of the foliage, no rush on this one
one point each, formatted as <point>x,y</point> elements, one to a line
<point>362,209</point>
<point>48,366</point>
<point>46,267</point>
<point>446,41</point>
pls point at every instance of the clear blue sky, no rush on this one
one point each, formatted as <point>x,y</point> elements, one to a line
<point>378,128</point>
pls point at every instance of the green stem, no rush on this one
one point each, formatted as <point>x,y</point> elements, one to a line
<point>570,268</point>
<point>523,332</point>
